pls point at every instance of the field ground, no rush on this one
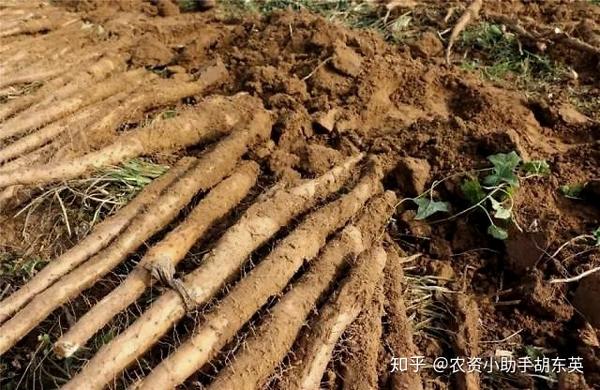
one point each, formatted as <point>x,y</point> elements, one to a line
<point>297,194</point>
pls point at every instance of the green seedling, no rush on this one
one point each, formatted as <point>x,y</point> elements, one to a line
<point>103,193</point>
<point>427,207</point>
<point>168,114</point>
<point>572,191</point>
<point>19,267</point>
<point>492,194</point>
<point>355,14</point>
<point>536,168</point>
<point>503,55</point>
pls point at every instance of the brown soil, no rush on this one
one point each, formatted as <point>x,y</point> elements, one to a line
<point>331,92</point>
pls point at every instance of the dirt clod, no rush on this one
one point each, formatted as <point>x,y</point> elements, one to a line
<point>571,381</point>
<point>586,299</point>
<point>412,175</point>
<point>428,45</point>
<point>524,250</point>
<point>167,8</point>
<point>346,60</point>
<point>150,51</point>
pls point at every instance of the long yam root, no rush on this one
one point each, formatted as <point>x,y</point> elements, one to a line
<point>169,251</point>
<point>98,239</point>
<point>316,346</point>
<point>207,172</point>
<point>214,117</point>
<point>465,329</point>
<point>110,116</point>
<point>259,223</point>
<point>162,92</point>
<point>267,279</point>
<point>399,335</point>
<point>253,364</point>
<point>34,119</point>
<point>542,35</point>
<point>11,195</point>
<point>80,120</point>
<point>362,346</point>
<point>35,26</point>
<point>472,12</point>
<point>31,78</point>
<point>64,86</point>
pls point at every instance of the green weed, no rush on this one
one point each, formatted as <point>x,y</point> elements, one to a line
<point>355,14</point>
<point>18,268</point>
<point>102,194</point>
<point>586,99</point>
<point>502,55</point>
<point>572,191</point>
<point>189,5</point>
<point>492,194</point>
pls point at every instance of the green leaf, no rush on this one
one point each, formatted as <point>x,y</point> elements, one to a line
<point>496,30</point>
<point>428,207</point>
<point>494,180</point>
<point>505,165</point>
<point>533,352</point>
<point>472,191</point>
<point>537,167</point>
<point>169,114</point>
<point>501,211</point>
<point>497,232</point>
<point>505,160</point>
<point>596,234</point>
<point>572,191</point>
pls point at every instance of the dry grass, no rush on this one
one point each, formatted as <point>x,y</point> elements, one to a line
<point>81,203</point>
